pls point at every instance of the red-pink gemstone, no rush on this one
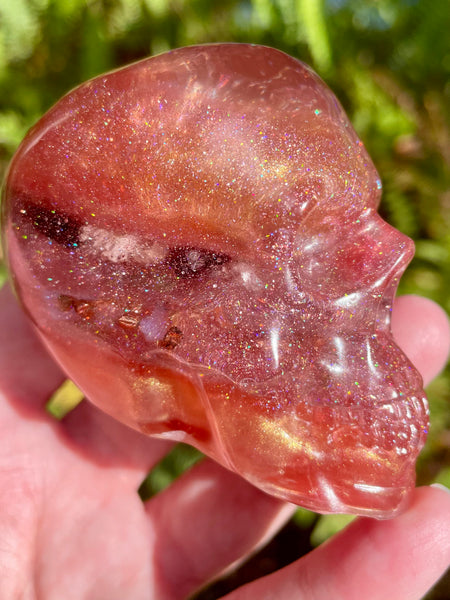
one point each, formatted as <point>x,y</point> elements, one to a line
<point>195,236</point>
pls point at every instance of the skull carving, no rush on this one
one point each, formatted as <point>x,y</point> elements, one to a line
<point>196,239</point>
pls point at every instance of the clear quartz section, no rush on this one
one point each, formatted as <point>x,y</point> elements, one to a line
<point>195,236</point>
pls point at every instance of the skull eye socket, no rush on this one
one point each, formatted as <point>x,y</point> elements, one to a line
<point>189,261</point>
<point>185,261</point>
<point>53,224</point>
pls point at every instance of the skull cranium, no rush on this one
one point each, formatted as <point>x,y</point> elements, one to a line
<point>196,238</point>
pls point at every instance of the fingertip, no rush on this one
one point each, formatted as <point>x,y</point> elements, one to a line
<point>422,329</point>
<point>443,488</point>
<point>28,374</point>
<point>207,521</point>
<point>394,558</point>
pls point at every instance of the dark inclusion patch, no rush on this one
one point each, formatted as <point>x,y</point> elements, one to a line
<point>80,306</point>
<point>185,261</point>
<point>188,261</point>
<point>55,225</point>
<point>171,339</point>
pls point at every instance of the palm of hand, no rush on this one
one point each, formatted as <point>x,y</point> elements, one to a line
<point>73,526</point>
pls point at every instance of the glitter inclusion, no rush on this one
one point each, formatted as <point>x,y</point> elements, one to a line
<point>196,239</point>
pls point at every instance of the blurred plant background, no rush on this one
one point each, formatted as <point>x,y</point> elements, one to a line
<point>388,62</point>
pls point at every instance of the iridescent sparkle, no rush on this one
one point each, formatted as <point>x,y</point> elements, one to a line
<point>196,238</point>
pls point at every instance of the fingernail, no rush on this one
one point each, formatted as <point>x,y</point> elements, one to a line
<point>441,486</point>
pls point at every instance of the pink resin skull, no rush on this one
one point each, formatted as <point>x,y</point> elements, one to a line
<point>196,238</point>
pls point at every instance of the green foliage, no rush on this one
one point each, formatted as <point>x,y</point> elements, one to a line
<point>328,526</point>
<point>388,61</point>
<point>65,399</point>
<point>175,463</point>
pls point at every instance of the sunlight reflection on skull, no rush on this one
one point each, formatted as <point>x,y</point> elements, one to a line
<point>196,238</point>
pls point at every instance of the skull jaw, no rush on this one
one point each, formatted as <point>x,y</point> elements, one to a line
<point>178,406</point>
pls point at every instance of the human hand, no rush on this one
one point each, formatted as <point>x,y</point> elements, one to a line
<point>72,525</point>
